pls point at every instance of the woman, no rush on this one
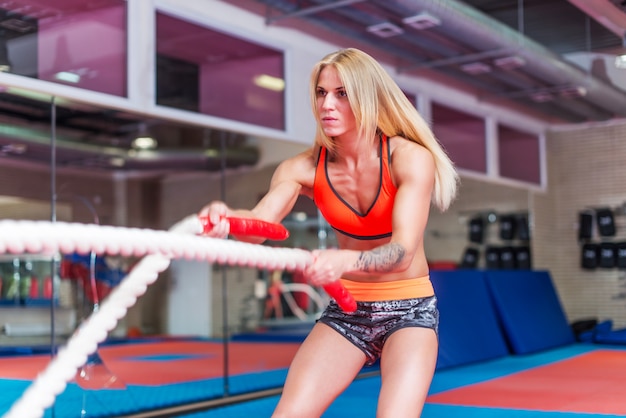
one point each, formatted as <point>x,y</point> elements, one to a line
<point>373,171</point>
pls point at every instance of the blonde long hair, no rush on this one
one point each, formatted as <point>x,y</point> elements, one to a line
<point>379,105</point>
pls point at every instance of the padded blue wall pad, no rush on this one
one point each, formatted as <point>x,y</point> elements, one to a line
<point>468,326</point>
<point>617,337</point>
<point>530,310</point>
<point>604,333</point>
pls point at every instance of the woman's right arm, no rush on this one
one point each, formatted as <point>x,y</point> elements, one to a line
<point>292,177</point>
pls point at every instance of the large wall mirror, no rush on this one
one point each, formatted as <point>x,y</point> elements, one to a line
<point>218,331</point>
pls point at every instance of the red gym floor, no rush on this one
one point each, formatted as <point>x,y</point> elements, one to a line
<point>593,383</point>
<point>577,381</point>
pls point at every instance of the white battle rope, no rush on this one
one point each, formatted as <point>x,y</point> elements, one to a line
<point>158,247</point>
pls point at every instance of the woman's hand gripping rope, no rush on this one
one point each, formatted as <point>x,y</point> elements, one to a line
<point>277,232</point>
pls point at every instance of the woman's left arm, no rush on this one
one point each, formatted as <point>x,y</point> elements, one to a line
<point>413,171</point>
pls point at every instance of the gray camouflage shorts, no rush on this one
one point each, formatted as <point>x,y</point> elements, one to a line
<point>373,322</point>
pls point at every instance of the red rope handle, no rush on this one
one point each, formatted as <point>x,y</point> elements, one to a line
<point>274,231</point>
<point>251,227</point>
<point>344,299</point>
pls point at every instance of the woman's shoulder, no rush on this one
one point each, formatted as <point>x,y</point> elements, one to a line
<point>400,145</point>
<point>407,154</point>
<point>300,167</point>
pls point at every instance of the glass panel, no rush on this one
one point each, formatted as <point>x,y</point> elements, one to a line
<point>72,42</point>
<point>463,137</point>
<point>258,344</point>
<point>276,312</point>
<point>519,155</point>
<point>214,73</point>
<point>200,332</point>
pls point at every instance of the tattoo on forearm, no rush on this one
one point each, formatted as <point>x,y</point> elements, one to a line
<point>382,259</point>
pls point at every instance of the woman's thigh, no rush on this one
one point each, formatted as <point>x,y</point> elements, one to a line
<point>407,366</point>
<point>325,364</point>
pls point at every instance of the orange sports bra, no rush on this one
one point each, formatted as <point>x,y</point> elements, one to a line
<point>375,223</point>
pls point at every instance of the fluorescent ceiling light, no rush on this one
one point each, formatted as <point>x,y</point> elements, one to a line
<point>269,82</point>
<point>67,76</point>
<point>117,161</point>
<point>385,29</point>
<point>422,21</point>
<point>144,142</point>
<point>620,61</point>
<point>475,68</point>
<point>510,63</point>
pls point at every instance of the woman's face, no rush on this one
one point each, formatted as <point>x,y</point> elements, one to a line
<point>333,107</point>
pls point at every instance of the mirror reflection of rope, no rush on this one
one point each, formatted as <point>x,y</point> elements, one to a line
<point>289,288</point>
<point>279,288</point>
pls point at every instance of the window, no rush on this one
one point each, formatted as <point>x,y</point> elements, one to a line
<point>214,73</point>
<point>519,155</point>
<point>77,43</point>
<point>463,137</point>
